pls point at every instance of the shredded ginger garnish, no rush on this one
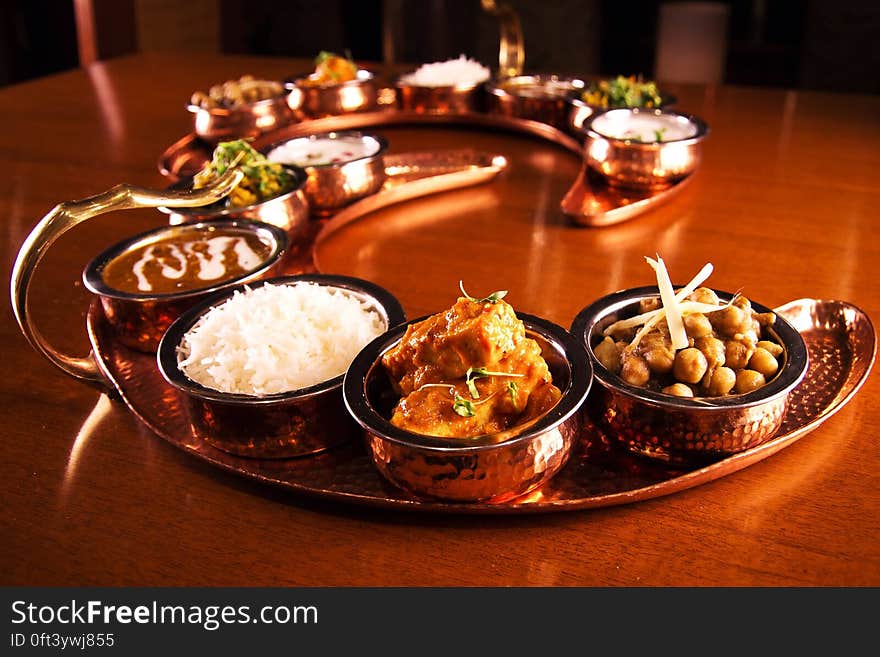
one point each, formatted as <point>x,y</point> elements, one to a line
<point>673,308</point>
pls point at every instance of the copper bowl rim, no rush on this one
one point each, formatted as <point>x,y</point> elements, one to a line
<point>242,108</point>
<point>701,126</point>
<point>460,87</point>
<point>499,87</point>
<point>294,81</point>
<point>94,281</point>
<point>789,375</point>
<point>580,372</point>
<point>166,355</point>
<point>300,178</point>
<point>333,134</point>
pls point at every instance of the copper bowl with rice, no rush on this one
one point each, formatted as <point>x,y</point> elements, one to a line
<point>685,430</point>
<point>454,86</point>
<point>268,383</point>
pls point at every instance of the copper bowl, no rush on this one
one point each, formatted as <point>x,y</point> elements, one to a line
<point>280,425</point>
<point>494,468</point>
<point>621,146</point>
<point>448,99</point>
<point>310,100</point>
<point>581,110</point>
<point>245,121</point>
<point>545,98</point>
<point>677,429</point>
<point>335,182</point>
<point>140,320</point>
<point>288,211</point>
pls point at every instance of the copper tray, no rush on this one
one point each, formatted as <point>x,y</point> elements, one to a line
<point>840,338</point>
<point>589,201</point>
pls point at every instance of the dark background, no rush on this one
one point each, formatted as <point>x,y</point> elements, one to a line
<point>815,44</point>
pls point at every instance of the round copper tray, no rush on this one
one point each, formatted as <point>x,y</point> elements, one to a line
<point>842,346</point>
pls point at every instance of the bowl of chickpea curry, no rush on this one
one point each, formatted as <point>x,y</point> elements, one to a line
<point>689,374</point>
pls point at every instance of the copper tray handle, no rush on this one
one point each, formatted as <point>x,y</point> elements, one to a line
<point>65,216</point>
<point>511,53</point>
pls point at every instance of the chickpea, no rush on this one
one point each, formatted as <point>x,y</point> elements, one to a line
<point>722,381</point>
<point>634,369</point>
<point>679,390</point>
<point>764,362</point>
<point>736,354</point>
<point>713,350</point>
<point>697,325</point>
<point>765,319</point>
<point>772,347</point>
<point>608,353</point>
<point>648,304</point>
<point>748,380</point>
<point>728,321</point>
<point>690,365</point>
<point>704,295</point>
<point>657,351</point>
<point>743,303</point>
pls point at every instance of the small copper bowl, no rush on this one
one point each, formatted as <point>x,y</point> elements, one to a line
<point>288,211</point>
<point>457,99</point>
<point>545,98</point>
<point>281,425</point>
<point>683,430</point>
<point>246,121</point>
<point>356,169</point>
<point>493,468</point>
<point>621,146</point>
<point>140,320</point>
<point>314,101</point>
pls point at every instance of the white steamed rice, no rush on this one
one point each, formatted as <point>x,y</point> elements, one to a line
<point>450,73</point>
<point>277,338</point>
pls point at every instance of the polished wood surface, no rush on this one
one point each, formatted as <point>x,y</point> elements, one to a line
<point>784,205</point>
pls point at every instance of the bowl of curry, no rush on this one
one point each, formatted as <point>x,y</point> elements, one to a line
<point>707,380</point>
<point>147,281</point>
<point>477,403</point>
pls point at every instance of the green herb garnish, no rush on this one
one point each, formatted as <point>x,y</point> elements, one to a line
<point>463,407</point>
<point>512,389</point>
<point>474,373</point>
<point>495,297</point>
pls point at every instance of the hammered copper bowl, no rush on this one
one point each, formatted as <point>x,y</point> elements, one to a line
<point>447,99</point>
<point>288,211</point>
<point>331,185</point>
<point>685,430</point>
<point>491,468</point>
<point>245,121</point>
<point>310,100</point>
<point>281,425</point>
<point>621,146</point>
<point>545,98</point>
<point>140,320</point>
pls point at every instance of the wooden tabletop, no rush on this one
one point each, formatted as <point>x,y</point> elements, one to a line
<point>783,205</point>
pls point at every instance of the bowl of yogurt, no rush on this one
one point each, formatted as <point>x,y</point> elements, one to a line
<point>341,166</point>
<point>643,148</point>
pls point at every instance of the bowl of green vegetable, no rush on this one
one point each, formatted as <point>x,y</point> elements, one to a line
<point>269,192</point>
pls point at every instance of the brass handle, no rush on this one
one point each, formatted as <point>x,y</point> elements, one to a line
<point>65,216</point>
<point>511,52</point>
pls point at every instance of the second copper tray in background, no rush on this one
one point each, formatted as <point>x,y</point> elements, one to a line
<point>589,202</point>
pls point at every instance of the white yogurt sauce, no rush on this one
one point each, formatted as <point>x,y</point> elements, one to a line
<point>210,265</point>
<point>324,150</point>
<point>643,127</point>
